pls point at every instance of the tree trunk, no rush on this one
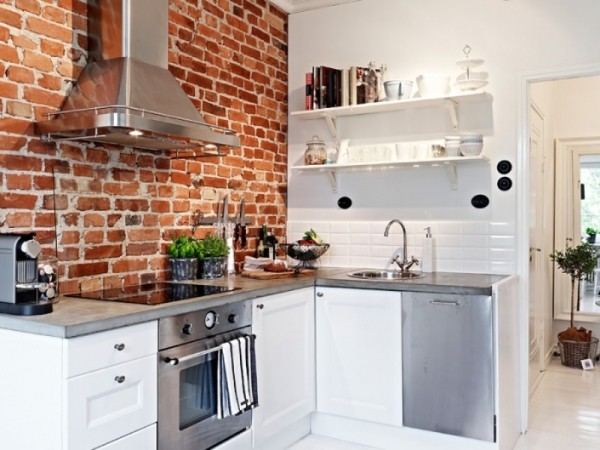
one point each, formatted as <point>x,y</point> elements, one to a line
<point>573,299</point>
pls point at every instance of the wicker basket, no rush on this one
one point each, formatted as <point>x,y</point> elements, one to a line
<point>572,352</point>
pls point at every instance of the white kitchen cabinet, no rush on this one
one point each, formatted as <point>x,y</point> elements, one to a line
<point>83,411</point>
<point>144,439</point>
<point>284,329</point>
<point>359,354</point>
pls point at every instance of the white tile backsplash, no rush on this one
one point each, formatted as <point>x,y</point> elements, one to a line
<point>472,247</point>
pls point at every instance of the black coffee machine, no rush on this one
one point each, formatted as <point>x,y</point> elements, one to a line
<point>19,275</point>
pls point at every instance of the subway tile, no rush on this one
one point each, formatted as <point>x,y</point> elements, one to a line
<point>503,255</point>
<point>339,228</point>
<point>507,241</point>
<point>360,227</point>
<point>448,240</point>
<point>449,228</point>
<point>360,250</point>
<point>476,228</point>
<point>502,228</point>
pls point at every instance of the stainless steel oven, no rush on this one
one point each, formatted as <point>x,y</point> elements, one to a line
<point>188,380</point>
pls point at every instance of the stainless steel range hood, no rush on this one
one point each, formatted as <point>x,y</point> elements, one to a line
<point>126,95</point>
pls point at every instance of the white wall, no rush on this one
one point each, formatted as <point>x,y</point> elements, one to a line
<point>515,38</point>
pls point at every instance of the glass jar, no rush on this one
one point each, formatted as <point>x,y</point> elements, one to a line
<point>315,152</point>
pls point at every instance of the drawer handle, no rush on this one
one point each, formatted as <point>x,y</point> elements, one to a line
<point>120,347</point>
<point>260,306</point>
<point>445,302</point>
<point>120,378</point>
<point>320,294</point>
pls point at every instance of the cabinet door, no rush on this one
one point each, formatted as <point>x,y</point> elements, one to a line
<point>359,360</point>
<point>140,440</point>
<point>284,328</point>
<point>109,403</point>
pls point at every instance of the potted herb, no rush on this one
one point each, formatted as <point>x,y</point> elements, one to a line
<point>214,258</point>
<point>591,232</point>
<point>576,344</point>
<point>184,254</point>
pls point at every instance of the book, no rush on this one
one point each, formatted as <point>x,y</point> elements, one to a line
<point>358,85</point>
<point>345,87</point>
<point>308,104</point>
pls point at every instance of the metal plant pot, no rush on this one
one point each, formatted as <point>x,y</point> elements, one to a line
<point>212,267</point>
<point>184,269</point>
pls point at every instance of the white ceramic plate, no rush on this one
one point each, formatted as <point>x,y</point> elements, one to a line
<point>464,63</point>
<point>470,85</point>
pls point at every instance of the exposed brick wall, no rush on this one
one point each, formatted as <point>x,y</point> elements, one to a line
<point>117,208</point>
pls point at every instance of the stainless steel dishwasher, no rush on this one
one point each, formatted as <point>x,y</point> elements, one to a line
<point>448,365</point>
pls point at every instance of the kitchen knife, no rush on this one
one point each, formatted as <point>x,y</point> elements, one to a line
<point>225,214</point>
<point>219,216</point>
<point>243,222</point>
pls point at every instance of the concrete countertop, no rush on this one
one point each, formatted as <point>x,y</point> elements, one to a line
<point>73,317</point>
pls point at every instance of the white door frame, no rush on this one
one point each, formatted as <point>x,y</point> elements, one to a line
<point>523,205</point>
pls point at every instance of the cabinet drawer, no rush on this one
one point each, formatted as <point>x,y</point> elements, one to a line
<point>140,440</point>
<point>106,404</point>
<point>96,351</point>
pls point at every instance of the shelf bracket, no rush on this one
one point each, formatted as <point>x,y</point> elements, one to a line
<point>333,180</point>
<point>452,107</point>
<point>331,124</point>
<point>452,175</point>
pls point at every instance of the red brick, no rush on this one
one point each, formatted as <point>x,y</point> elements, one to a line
<point>16,220</point>
<point>70,237</point>
<point>8,89</point>
<point>103,252</point>
<point>116,236</point>
<point>131,205</point>
<point>19,109</point>
<point>93,203</point>
<point>93,220</point>
<point>144,248</point>
<point>18,201</point>
<point>52,48</point>
<point>93,237</point>
<point>45,28</point>
<point>10,18</point>
<point>128,265</point>
<point>42,96</point>
<point>143,235</point>
<point>18,181</point>
<point>87,269</point>
<point>44,220</point>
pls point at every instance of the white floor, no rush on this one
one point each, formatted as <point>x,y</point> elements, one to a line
<point>564,413</point>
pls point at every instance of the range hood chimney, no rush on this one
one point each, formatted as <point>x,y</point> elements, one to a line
<point>126,95</point>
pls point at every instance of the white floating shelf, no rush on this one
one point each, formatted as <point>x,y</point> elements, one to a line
<point>450,102</point>
<point>448,163</point>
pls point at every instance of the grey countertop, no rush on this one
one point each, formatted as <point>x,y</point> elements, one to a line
<point>75,317</point>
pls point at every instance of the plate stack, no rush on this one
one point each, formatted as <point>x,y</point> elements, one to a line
<point>470,79</point>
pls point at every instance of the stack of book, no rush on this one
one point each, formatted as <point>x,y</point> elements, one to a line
<point>327,87</point>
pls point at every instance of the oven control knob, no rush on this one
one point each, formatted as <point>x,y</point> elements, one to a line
<point>232,318</point>
<point>187,329</point>
<point>210,320</point>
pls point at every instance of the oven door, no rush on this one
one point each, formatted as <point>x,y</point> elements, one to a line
<point>187,397</point>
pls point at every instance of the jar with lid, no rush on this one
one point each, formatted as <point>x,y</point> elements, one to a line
<point>315,152</point>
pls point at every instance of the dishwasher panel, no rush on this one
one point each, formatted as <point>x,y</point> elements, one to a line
<point>448,370</point>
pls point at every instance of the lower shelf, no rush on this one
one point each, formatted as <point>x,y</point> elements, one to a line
<point>448,163</point>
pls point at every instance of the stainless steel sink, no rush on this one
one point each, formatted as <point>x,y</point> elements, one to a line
<point>385,275</point>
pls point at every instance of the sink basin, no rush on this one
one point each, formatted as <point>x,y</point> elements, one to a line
<point>385,275</point>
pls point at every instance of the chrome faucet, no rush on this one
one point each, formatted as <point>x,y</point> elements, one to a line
<point>404,264</point>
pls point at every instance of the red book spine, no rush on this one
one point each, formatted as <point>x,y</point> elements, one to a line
<point>309,90</point>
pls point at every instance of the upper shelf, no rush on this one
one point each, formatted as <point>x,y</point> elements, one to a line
<point>450,102</point>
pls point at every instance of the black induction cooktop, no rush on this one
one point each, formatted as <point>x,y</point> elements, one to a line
<point>153,293</point>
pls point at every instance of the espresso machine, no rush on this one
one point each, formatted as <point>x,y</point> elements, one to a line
<point>20,293</point>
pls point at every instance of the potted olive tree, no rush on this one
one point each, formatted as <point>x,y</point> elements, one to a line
<point>214,258</point>
<point>185,253</point>
<point>576,344</point>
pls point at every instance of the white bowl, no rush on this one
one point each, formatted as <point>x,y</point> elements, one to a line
<point>471,149</point>
<point>398,89</point>
<point>433,85</point>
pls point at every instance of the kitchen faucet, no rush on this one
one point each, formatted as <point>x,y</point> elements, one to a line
<point>405,264</point>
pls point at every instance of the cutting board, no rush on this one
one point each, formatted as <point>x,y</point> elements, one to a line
<point>262,275</point>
